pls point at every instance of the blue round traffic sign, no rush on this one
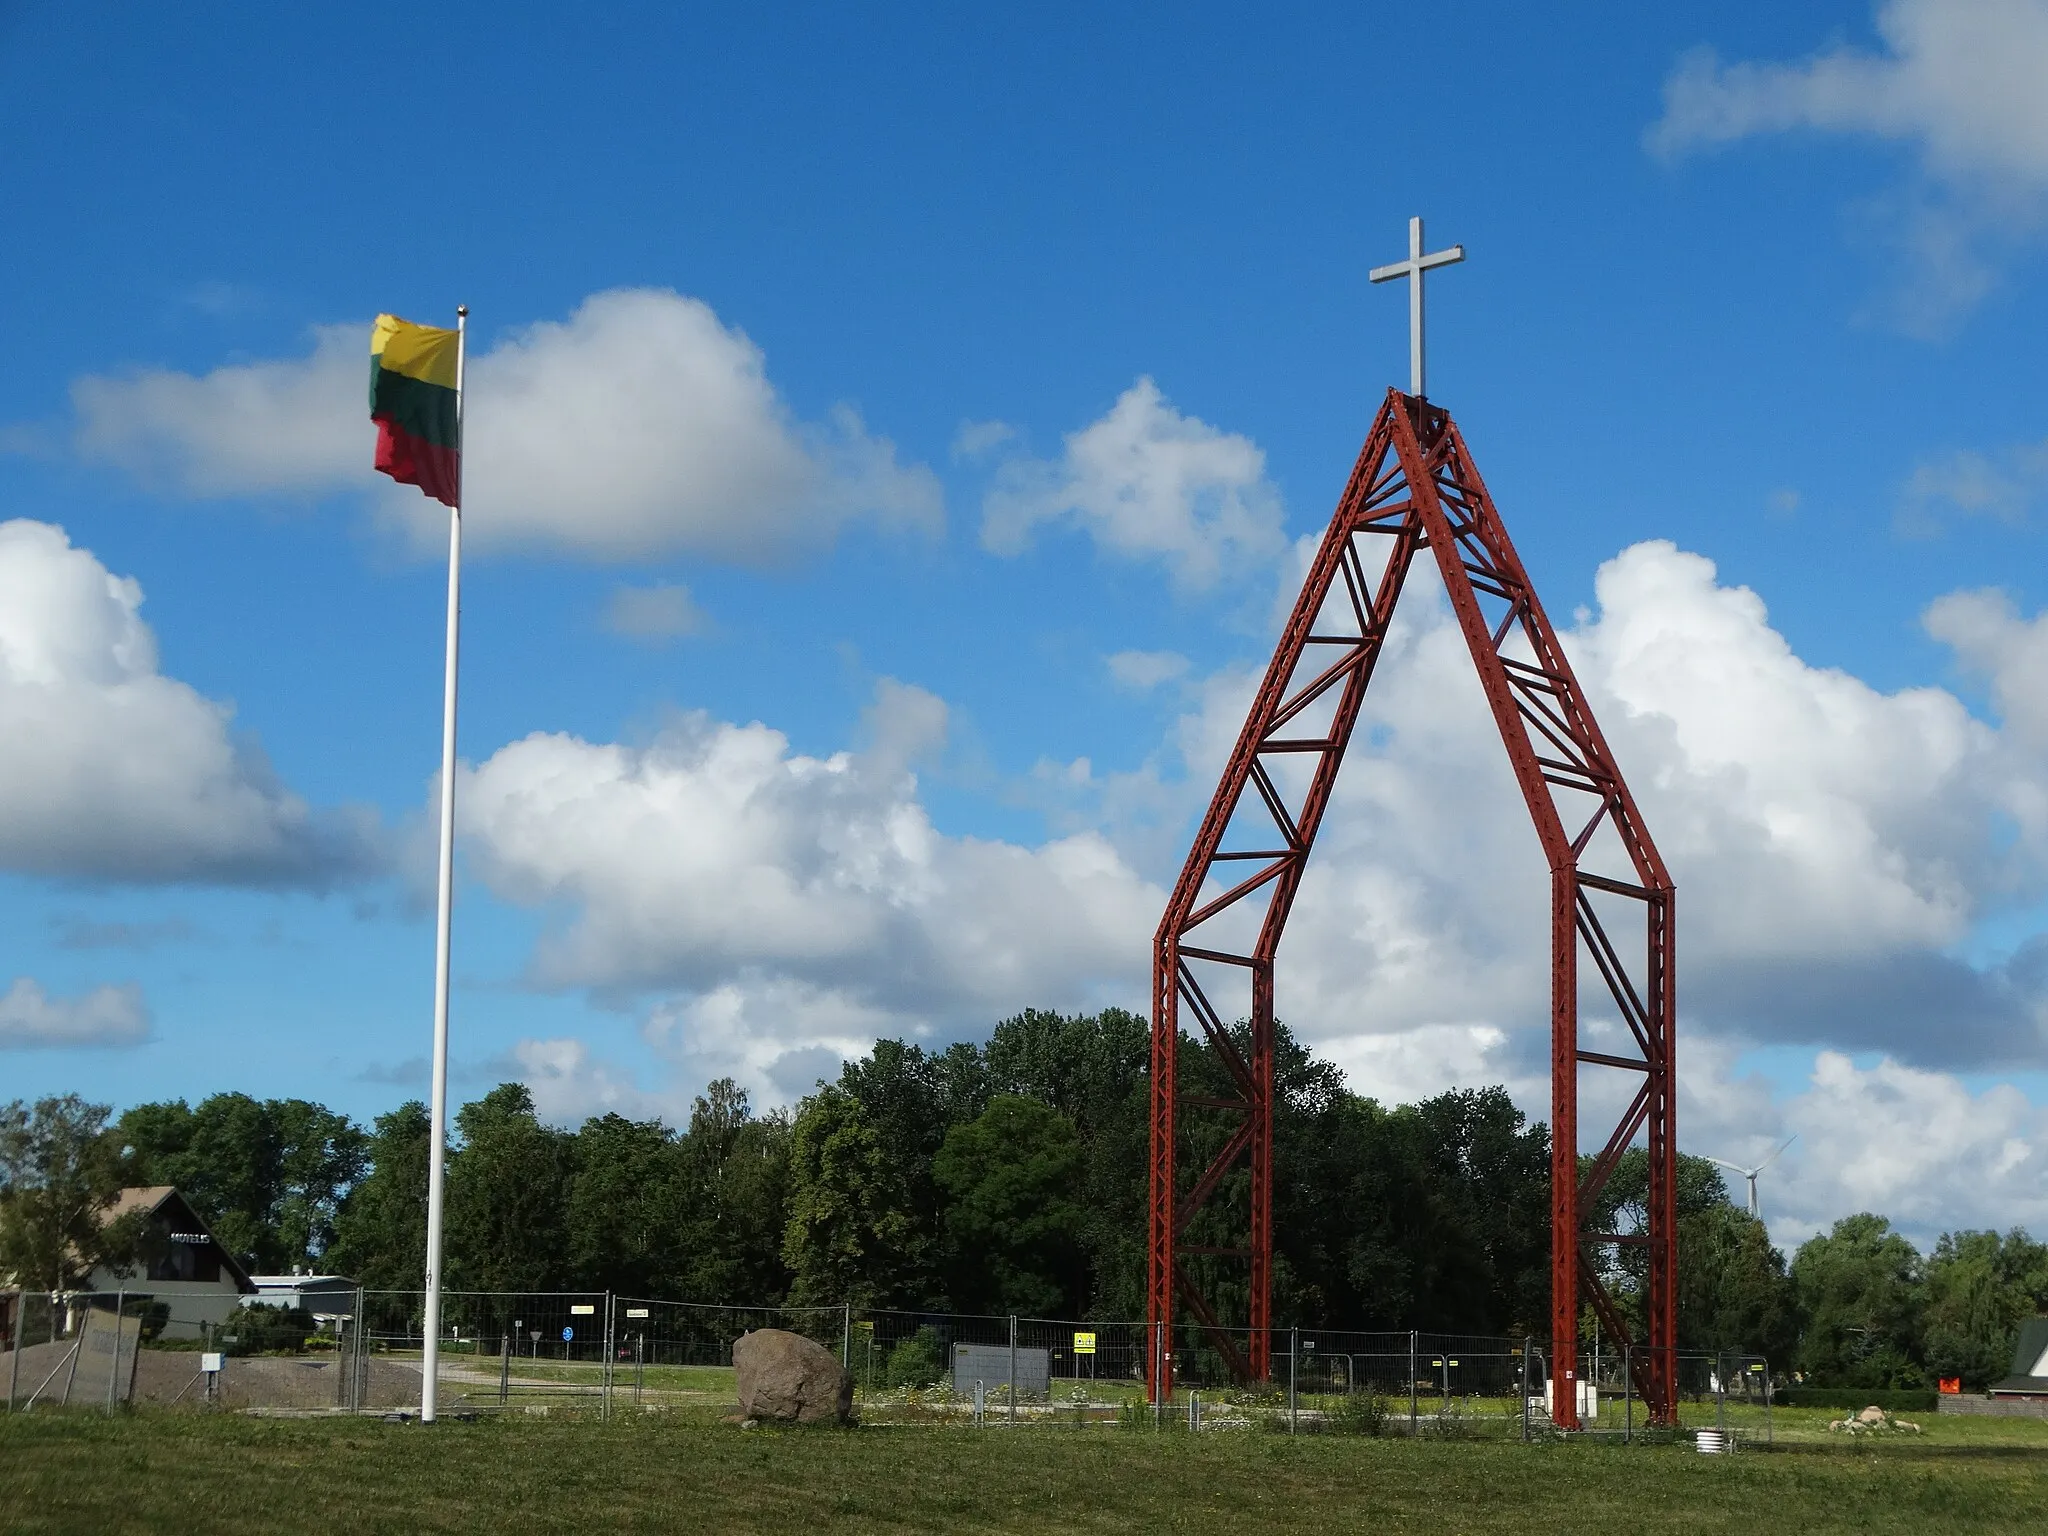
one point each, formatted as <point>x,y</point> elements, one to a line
<point>568,1334</point>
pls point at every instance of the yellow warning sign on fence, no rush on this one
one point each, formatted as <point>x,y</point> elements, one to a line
<point>1084,1343</point>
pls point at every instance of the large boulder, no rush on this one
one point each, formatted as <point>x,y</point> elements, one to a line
<point>787,1377</point>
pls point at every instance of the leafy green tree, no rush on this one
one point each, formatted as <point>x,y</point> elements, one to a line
<point>851,1235</point>
<point>508,1189</point>
<point>1095,1070</point>
<point>1861,1292</point>
<point>1494,1169</point>
<point>1014,1219</point>
<point>906,1099</point>
<point>381,1229</point>
<point>630,1217</point>
<point>1733,1292</point>
<point>320,1155</point>
<point>739,1168</point>
<point>1432,1215</point>
<point>59,1176</point>
<point>268,1175</point>
<point>1410,1256</point>
<point>1623,1205</point>
<point>1980,1287</point>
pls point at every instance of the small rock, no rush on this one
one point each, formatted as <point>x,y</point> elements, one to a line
<point>1871,1415</point>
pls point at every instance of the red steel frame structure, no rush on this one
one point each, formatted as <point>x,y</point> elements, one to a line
<point>1415,487</point>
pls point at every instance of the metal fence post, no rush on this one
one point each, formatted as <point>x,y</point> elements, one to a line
<point>1527,1344</point>
<point>1013,1368</point>
<point>1628,1401</point>
<point>846,1337</point>
<point>1413,1342</point>
<point>1293,1408</point>
<point>1768,1439</point>
<point>1158,1375</point>
<point>17,1337</point>
<point>114,1369</point>
<point>77,1349</point>
<point>610,1352</point>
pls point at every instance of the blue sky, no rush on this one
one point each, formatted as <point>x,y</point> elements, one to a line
<point>869,293</point>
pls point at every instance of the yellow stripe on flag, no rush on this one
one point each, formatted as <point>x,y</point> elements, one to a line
<point>423,352</point>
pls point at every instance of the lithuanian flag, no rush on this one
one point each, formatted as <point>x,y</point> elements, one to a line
<point>413,402</point>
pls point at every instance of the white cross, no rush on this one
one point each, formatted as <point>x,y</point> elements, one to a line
<point>1412,269</point>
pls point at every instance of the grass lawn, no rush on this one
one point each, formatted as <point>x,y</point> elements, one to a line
<point>228,1474</point>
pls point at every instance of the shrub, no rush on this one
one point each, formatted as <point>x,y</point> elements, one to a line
<point>1450,1423</point>
<point>256,1329</point>
<point>918,1361</point>
<point>1360,1413</point>
<point>1892,1400</point>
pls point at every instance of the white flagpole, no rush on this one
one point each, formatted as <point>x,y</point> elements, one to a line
<point>437,1147</point>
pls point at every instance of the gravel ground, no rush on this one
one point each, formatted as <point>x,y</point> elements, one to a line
<point>165,1376</point>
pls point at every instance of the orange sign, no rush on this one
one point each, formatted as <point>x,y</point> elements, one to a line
<point>1951,1386</point>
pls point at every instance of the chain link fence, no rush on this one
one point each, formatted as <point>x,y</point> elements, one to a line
<point>597,1353</point>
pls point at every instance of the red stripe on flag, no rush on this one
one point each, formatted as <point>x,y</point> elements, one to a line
<point>412,461</point>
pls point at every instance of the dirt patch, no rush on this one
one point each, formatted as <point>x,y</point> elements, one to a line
<point>37,1362</point>
<point>167,1378</point>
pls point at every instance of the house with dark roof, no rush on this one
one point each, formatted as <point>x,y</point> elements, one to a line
<point>179,1264</point>
<point>2029,1378</point>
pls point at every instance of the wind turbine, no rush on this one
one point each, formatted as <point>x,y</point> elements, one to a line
<point>1751,1173</point>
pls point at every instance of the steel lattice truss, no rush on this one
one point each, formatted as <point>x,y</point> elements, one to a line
<point>1414,488</point>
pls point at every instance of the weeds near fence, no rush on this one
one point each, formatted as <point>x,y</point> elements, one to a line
<point>1359,1413</point>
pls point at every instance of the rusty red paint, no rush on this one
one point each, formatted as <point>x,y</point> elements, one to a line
<point>1414,487</point>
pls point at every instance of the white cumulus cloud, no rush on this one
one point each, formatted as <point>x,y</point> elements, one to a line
<point>1957,80</point>
<point>641,425</point>
<point>569,1084</point>
<point>1919,1147</point>
<point>1146,482</point>
<point>105,1017</point>
<point>291,426</point>
<point>778,905</point>
<point>1833,844</point>
<point>114,771</point>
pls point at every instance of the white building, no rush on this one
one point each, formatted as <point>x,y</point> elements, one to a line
<point>182,1265</point>
<point>330,1299</point>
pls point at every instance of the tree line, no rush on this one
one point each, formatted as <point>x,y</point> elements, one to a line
<point>1000,1178</point>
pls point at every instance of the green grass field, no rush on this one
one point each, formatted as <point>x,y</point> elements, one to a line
<point>229,1474</point>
